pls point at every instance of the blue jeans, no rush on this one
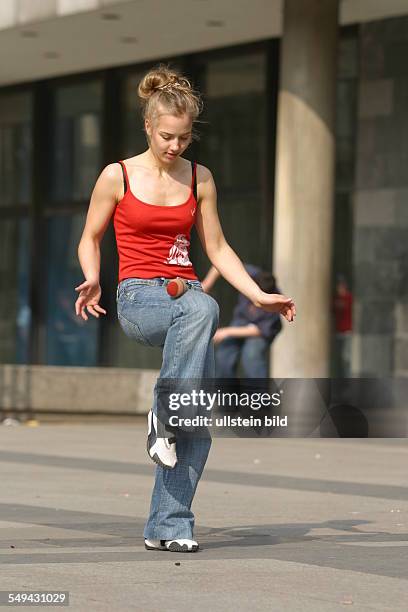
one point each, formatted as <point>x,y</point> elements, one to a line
<point>253,352</point>
<point>184,328</point>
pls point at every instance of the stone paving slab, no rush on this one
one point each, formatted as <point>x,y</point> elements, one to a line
<point>295,524</point>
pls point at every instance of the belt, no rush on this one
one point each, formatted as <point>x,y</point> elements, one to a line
<point>195,284</point>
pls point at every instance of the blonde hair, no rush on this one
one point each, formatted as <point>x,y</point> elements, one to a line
<point>171,90</point>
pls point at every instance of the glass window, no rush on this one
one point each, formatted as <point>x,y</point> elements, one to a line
<point>76,164</point>
<point>15,189</point>
<point>346,128</point>
<point>77,141</point>
<point>232,145</point>
<point>133,137</point>
<point>15,312</point>
<point>23,318</point>
<point>70,339</point>
<point>235,112</point>
<point>15,149</point>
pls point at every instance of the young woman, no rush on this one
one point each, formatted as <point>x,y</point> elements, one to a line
<point>155,199</point>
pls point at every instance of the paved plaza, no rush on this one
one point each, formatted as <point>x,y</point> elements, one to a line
<point>284,524</point>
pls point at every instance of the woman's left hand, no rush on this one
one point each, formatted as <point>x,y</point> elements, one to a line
<point>275,302</point>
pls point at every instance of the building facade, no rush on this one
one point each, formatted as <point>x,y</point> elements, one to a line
<point>60,125</point>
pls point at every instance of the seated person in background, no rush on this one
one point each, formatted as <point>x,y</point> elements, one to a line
<point>251,332</point>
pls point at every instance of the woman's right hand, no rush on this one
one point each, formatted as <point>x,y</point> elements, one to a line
<point>89,296</point>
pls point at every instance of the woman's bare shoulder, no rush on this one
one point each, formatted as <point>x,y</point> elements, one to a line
<point>205,184</point>
<point>204,174</point>
<point>110,181</point>
<point>111,176</point>
<point>112,171</point>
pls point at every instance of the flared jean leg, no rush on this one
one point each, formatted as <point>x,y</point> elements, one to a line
<point>188,353</point>
<point>170,515</point>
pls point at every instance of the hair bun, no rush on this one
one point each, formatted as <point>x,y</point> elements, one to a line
<point>163,87</point>
<point>159,79</point>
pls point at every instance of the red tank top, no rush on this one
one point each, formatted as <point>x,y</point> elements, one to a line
<point>153,240</point>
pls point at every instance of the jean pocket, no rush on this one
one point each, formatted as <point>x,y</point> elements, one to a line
<point>132,330</point>
<point>143,294</point>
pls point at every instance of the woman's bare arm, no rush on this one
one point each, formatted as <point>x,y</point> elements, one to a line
<point>210,278</point>
<point>102,205</point>
<point>224,258</point>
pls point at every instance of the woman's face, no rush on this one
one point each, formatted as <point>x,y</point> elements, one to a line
<point>169,136</point>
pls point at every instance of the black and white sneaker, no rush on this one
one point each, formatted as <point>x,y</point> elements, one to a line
<point>182,546</point>
<point>161,450</point>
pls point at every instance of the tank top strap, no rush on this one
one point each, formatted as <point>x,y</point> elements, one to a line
<point>125,177</point>
<point>194,179</point>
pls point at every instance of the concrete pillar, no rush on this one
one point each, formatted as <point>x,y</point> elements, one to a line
<point>305,184</point>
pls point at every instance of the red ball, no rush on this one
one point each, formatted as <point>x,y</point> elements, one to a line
<point>176,287</point>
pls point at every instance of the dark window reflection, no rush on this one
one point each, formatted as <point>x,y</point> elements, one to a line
<point>23,293</point>
<point>15,313</point>
<point>15,189</point>
<point>232,145</point>
<point>134,139</point>
<point>342,281</point>
<point>77,141</point>
<point>70,339</point>
<point>15,149</point>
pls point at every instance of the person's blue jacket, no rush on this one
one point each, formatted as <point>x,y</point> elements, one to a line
<point>245,312</point>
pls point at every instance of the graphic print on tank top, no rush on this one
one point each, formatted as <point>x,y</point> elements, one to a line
<point>178,253</point>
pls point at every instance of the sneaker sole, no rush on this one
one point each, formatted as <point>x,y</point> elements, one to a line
<point>182,548</point>
<point>159,462</point>
<point>174,547</point>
